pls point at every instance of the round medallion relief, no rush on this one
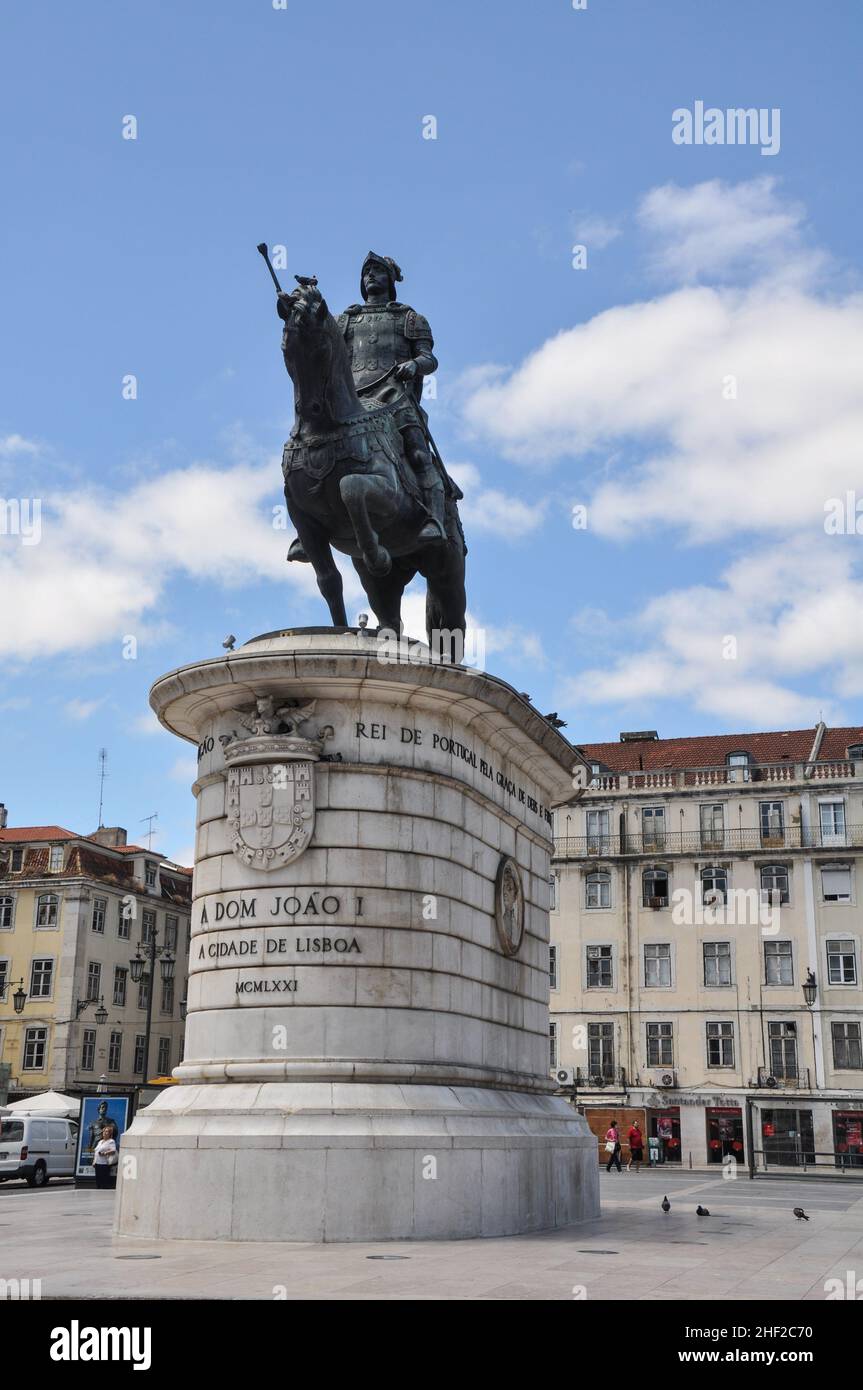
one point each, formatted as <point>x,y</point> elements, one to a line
<point>509,906</point>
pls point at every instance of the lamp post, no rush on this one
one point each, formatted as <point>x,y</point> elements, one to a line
<point>810,991</point>
<point>152,952</point>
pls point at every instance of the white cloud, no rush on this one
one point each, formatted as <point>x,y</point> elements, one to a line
<point>593,231</point>
<point>146,724</point>
<point>733,650</point>
<point>184,770</point>
<point>494,512</point>
<point>15,445</point>
<point>713,410</point>
<point>80,710</point>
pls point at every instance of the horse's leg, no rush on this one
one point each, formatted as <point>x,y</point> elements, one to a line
<point>315,543</point>
<point>384,593</point>
<point>362,493</point>
<point>446,601</point>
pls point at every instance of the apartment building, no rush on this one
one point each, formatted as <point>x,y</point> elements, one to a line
<point>706,934</point>
<point>75,910</point>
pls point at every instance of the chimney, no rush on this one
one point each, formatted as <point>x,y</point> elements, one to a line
<point>113,836</point>
<point>4,816</point>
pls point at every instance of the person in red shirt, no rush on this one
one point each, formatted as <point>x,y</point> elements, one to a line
<point>636,1146</point>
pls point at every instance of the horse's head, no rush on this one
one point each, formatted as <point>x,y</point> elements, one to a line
<point>317,361</point>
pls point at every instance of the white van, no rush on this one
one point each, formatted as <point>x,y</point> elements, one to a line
<point>36,1148</point>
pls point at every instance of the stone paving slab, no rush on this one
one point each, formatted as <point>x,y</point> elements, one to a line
<point>751,1247</point>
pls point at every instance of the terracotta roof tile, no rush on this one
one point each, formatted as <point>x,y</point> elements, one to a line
<point>711,750</point>
<point>21,834</point>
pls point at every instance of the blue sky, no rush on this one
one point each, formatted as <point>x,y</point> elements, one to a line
<point>604,387</point>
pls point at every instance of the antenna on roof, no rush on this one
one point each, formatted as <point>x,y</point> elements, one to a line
<point>103,773</point>
<point>150,830</point>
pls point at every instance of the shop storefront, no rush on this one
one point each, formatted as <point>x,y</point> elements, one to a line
<point>787,1138</point>
<point>663,1142</point>
<point>848,1138</point>
<point>724,1133</point>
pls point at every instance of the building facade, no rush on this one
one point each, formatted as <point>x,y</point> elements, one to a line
<point>73,910</point>
<point>707,927</point>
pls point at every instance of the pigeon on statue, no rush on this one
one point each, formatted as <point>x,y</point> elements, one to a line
<point>666,1205</point>
<point>800,1214</point>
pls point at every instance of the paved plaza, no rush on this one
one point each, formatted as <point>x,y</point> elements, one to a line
<point>751,1247</point>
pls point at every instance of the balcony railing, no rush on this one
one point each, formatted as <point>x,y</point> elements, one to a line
<point>660,845</point>
<point>722,775</point>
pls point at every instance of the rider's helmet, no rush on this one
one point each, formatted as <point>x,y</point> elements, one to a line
<point>389,266</point>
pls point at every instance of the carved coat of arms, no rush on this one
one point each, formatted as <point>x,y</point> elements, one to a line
<point>271,781</point>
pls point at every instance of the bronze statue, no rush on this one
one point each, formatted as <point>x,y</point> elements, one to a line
<point>362,472</point>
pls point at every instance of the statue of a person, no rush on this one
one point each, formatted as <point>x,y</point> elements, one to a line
<point>391,350</point>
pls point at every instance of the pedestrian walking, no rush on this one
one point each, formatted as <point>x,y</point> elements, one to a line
<point>636,1147</point>
<point>105,1159</point>
<point>612,1147</point>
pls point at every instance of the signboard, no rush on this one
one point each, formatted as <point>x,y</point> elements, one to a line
<point>98,1113</point>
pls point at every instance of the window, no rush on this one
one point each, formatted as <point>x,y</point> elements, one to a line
<point>720,1044</point>
<point>47,910</point>
<point>774,884</point>
<point>783,1050</point>
<point>164,1061</point>
<point>772,818</point>
<point>35,1048</point>
<point>712,820</point>
<point>41,978</point>
<point>124,922</point>
<point>598,838</point>
<point>653,827</point>
<point>597,890</point>
<point>778,963</point>
<point>17,860</point>
<point>94,980</point>
<point>599,972</point>
<point>552,903</point>
<point>88,1049</point>
<point>115,1050</point>
<point>836,884</point>
<point>100,907</point>
<point>7,913</point>
<point>594,774</point>
<point>148,927</point>
<point>552,1045</point>
<point>841,963</point>
<point>167,1006</point>
<point>847,1047</point>
<point>717,963</point>
<point>855,750</point>
<point>654,888</point>
<point>150,875</point>
<point>600,1051</point>
<point>832,815</point>
<point>740,760</point>
<point>143,991</point>
<point>657,965</point>
<point>140,1040</point>
<point>714,886</point>
<point>660,1045</point>
<point>55,859</point>
<point>4,978</point>
<point>552,968</point>
<point>120,978</point>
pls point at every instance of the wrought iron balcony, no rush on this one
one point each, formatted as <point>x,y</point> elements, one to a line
<point>660,845</point>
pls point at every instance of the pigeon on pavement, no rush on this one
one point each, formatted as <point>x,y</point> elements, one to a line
<point>701,1211</point>
<point>800,1214</point>
<point>666,1205</point>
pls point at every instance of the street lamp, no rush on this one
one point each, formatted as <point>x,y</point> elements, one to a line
<point>152,951</point>
<point>810,989</point>
<point>19,998</point>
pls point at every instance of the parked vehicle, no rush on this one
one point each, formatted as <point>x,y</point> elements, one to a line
<point>37,1148</point>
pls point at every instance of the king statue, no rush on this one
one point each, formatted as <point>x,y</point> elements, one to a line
<point>391,349</point>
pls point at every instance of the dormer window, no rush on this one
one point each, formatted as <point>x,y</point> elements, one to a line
<point>855,750</point>
<point>17,859</point>
<point>150,875</point>
<point>740,760</point>
<point>55,859</point>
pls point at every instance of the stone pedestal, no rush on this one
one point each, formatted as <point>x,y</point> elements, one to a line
<point>367,1050</point>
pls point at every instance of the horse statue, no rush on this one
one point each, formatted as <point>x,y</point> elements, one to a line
<point>348,484</point>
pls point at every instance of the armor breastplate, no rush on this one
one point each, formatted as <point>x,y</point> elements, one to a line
<point>376,341</point>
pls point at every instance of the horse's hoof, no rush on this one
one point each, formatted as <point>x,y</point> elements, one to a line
<point>378,562</point>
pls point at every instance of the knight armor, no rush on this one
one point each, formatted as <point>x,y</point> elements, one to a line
<point>379,337</point>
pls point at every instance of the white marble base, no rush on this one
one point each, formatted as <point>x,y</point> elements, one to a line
<point>312,1161</point>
